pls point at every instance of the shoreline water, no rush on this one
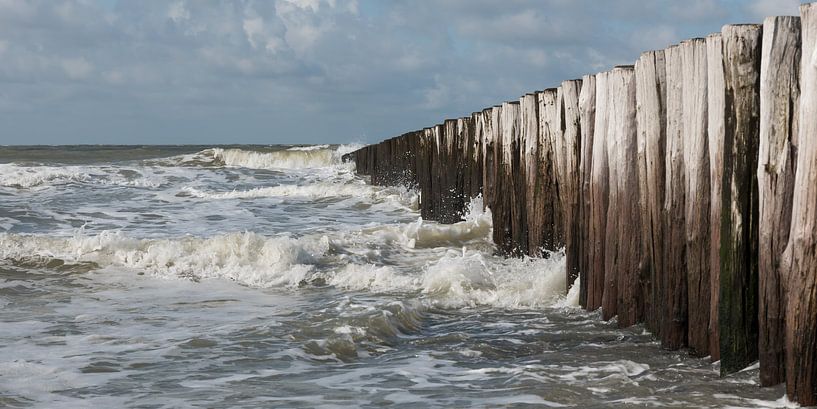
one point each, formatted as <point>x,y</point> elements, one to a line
<point>118,288</point>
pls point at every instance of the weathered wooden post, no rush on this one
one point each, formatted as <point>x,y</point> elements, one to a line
<point>568,179</point>
<point>425,173</point>
<point>651,117</point>
<point>624,196</point>
<point>549,136</point>
<point>587,116</point>
<point>485,134</point>
<point>476,140</point>
<point>716,100</point>
<point>609,303</point>
<point>739,276</point>
<point>801,280</point>
<point>534,172</point>
<point>697,195</point>
<point>510,233</point>
<point>599,189</point>
<point>674,333</point>
<point>779,110</point>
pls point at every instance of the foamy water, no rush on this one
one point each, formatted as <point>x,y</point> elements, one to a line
<point>272,276</point>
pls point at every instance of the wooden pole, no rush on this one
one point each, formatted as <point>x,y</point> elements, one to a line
<point>674,333</point>
<point>801,280</point>
<point>534,173</point>
<point>599,188</point>
<point>550,136</point>
<point>738,307</point>
<point>779,110</point>
<point>568,180</point>
<point>651,117</point>
<point>587,117</point>
<point>624,196</point>
<point>716,100</point>
<point>697,195</point>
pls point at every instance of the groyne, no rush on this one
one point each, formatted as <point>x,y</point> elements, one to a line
<point>683,190</point>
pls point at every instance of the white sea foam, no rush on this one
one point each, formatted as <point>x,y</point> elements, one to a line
<point>28,177</point>
<point>25,177</point>
<point>308,148</point>
<point>309,157</point>
<point>247,258</point>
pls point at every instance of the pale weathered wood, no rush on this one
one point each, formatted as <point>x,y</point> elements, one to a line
<point>697,195</point>
<point>530,139</point>
<point>549,134</point>
<point>716,99</point>
<point>599,190</point>
<point>801,280</point>
<point>609,302</point>
<point>485,133</point>
<point>568,175</point>
<point>779,108</point>
<point>628,235</point>
<point>739,277</point>
<point>674,332</point>
<point>651,114</point>
<point>587,116</point>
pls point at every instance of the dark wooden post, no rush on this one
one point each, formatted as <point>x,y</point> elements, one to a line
<point>738,307</point>
<point>587,115</point>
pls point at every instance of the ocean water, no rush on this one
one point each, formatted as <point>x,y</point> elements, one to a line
<point>273,276</point>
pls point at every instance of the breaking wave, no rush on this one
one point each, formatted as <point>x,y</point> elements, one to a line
<point>28,177</point>
<point>449,278</point>
<point>402,196</point>
<point>309,157</point>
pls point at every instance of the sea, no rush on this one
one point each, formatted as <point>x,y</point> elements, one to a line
<point>273,276</point>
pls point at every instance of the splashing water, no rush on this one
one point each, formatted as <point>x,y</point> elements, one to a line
<point>258,276</point>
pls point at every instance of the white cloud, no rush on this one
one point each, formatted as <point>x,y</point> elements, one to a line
<point>766,8</point>
<point>313,5</point>
<point>77,68</point>
<point>254,29</point>
<point>178,12</point>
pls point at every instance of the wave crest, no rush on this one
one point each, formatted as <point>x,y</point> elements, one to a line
<point>307,157</point>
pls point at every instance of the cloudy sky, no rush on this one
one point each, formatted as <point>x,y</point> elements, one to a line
<point>309,71</point>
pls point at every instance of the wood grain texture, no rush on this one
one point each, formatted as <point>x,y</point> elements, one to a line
<point>549,139</point>
<point>674,331</point>
<point>651,114</point>
<point>801,280</point>
<point>624,188</point>
<point>777,158</point>
<point>738,308</point>
<point>599,191</point>
<point>697,195</point>
<point>568,175</point>
<point>587,118</point>
<point>716,100</point>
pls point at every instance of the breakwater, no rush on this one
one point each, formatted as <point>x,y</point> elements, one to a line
<point>683,190</point>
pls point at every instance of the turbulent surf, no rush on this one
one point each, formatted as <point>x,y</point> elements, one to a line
<point>266,276</point>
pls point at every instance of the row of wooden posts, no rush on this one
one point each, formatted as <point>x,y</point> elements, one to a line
<point>683,190</point>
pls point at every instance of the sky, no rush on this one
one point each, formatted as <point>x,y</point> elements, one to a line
<point>310,71</point>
